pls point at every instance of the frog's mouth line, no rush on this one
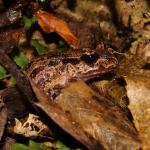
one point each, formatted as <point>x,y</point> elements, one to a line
<point>89,75</point>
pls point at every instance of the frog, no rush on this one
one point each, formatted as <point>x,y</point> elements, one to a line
<point>53,72</point>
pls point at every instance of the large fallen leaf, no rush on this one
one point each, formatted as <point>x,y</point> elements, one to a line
<point>89,118</point>
<point>50,23</point>
<point>138,91</point>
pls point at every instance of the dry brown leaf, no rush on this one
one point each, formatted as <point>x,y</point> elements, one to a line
<point>3,116</point>
<point>94,13</point>
<point>50,23</point>
<point>132,65</point>
<point>8,143</point>
<point>106,128</point>
<point>3,120</point>
<point>138,91</point>
<point>12,38</point>
<point>14,103</point>
<point>143,50</point>
<point>114,91</point>
<point>32,127</point>
<point>131,10</point>
<point>103,122</point>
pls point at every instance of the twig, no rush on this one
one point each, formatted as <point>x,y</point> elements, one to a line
<point>21,79</point>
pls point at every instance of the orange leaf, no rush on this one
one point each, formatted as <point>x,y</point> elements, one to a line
<point>50,23</point>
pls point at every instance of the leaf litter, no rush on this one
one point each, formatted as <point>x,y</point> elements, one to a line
<point>111,113</point>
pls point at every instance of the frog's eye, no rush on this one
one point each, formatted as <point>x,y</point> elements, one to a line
<point>89,58</point>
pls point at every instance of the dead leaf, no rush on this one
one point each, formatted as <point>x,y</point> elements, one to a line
<point>114,91</point>
<point>3,120</point>
<point>13,100</point>
<point>131,10</point>
<point>138,91</point>
<point>94,13</point>
<point>60,117</point>
<point>88,35</point>
<point>3,116</point>
<point>50,23</point>
<point>143,50</point>
<point>80,102</point>
<point>132,65</point>
<point>32,127</point>
<point>11,38</point>
<point>106,128</point>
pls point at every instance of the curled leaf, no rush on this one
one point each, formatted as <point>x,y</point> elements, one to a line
<point>32,127</point>
<point>50,23</point>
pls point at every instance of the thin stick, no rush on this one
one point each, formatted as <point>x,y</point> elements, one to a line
<point>21,79</point>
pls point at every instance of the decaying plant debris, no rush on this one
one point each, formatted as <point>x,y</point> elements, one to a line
<point>91,83</point>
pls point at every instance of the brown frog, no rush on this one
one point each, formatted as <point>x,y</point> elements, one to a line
<point>53,72</point>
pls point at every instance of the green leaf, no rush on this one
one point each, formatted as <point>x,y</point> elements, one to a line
<point>18,146</point>
<point>27,22</point>
<point>36,146</point>
<point>39,48</point>
<point>32,146</point>
<point>61,146</point>
<point>34,19</point>
<point>3,73</point>
<point>62,43</point>
<point>21,60</point>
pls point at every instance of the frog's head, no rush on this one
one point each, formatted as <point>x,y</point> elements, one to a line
<point>96,62</point>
